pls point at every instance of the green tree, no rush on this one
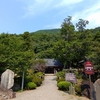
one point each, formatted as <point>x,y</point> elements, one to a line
<point>70,52</point>
<point>43,43</point>
<point>95,50</point>
<point>67,29</point>
<point>27,54</point>
<point>16,52</point>
<point>10,46</point>
<point>81,25</point>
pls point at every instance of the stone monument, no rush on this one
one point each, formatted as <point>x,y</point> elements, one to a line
<point>7,79</point>
<point>7,82</point>
<point>96,90</point>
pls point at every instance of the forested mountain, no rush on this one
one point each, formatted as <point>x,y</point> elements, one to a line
<point>44,41</point>
<point>49,31</point>
<point>69,46</point>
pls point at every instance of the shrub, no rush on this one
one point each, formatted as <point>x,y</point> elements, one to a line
<point>40,74</point>
<point>63,85</point>
<point>31,85</point>
<point>28,79</point>
<point>78,75</point>
<point>61,74</point>
<point>37,80</point>
<point>78,89</point>
<point>60,79</point>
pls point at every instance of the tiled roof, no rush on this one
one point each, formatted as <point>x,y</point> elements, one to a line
<point>52,62</point>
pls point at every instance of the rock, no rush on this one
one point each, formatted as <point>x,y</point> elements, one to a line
<point>7,80</point>
<point>11,94</point>
<point>97,89</point>
<point>86,89</point>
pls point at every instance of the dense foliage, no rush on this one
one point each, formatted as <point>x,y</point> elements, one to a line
<point>15,52</point>
<point>33,79</point>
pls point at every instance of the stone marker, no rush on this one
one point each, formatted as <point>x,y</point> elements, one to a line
<point>7,82</point>
<point>7,79</point>
<point>97,89</point>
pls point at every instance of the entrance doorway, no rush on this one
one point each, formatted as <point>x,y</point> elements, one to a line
<point>49,70</point>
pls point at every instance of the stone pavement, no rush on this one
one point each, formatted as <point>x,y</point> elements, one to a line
<point>47,91</point>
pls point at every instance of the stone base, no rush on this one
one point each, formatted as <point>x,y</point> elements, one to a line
<point>8,94</point>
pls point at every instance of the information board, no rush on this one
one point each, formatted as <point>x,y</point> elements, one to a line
<point>88,68</point>
<point>71,77</point>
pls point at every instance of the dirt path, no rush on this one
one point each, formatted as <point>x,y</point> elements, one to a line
<point>47,91</point>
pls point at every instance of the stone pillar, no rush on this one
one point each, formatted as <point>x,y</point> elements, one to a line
<point>97,89</point>
<point>7,80</point>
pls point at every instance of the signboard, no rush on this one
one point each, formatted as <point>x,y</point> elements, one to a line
<point>88,68</point>
<point>71,77</point>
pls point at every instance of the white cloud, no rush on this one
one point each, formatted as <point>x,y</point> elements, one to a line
<point>67,2</point>
<point>36,7</point>
<point>94,19</point>
<point>92,14</point>
<point>88,12</point>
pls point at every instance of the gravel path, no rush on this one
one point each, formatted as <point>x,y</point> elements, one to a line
<point>47,91</point>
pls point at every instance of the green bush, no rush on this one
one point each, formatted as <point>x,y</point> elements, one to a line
<point>28,79</point>
<point>78,89</point>
<point>60,79</point>
<point>64,85</point>
<point>78,75</point>
<point>31,85</point>
<point>61,74</point>
<point>40,74</point>
<point>37,80</point>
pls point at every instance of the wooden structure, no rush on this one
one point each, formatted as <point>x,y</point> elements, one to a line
<point>52,65</point>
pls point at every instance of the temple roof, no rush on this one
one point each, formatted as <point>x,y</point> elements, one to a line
<point>53,62</point>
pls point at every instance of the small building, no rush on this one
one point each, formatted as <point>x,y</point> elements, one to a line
<point>52,64</point>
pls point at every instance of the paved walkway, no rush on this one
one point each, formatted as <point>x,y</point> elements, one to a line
<point>47,91</point>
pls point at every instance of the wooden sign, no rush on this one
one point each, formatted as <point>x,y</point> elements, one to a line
<point>88,68</point>
<point>71,77</point>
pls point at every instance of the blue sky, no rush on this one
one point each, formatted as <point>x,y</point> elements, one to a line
<point>18,16</point>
